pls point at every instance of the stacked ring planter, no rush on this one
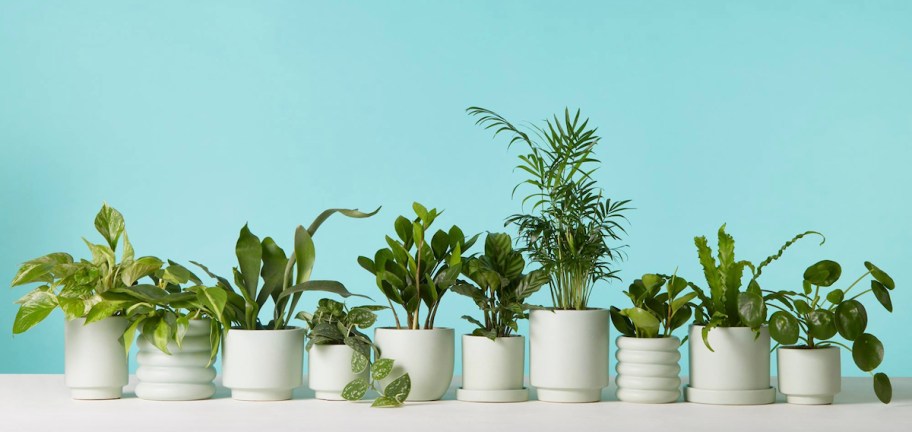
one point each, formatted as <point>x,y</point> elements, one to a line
<point>648,369</point>
<point>185,374</point>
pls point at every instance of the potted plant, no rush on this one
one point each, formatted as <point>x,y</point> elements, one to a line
<point>95,364</point>
<point>647,352</point>
<point>415,269</point>
<point>806,324</point>
<point>731,366</point>
<point>493,358</point>
<point>264,361</point>
<point>567,232</point>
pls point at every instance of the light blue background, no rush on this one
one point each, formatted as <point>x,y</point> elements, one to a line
<point>193,118</point>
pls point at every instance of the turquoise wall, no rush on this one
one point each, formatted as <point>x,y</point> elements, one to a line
<point>193,118</point>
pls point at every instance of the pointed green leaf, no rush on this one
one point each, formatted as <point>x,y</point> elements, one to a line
<point>381,369</point>
<point>36,308</point>
<point>399,388</point>
<point>356,389</point>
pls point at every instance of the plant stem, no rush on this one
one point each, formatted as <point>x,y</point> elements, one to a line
<point>856,282</point>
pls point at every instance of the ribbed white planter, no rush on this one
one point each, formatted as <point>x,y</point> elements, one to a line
<point>263,365</point>
<point>330,370</point>
<point>184,375</point>
<point>426,355</point>
<point>648,369</point>
<point>737,372</point>
<point>568,354</point>
<point>809,376</point>
<point>95,362</point>
<point>492,370</point>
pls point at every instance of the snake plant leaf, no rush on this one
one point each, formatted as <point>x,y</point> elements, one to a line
<point>821,324</point>
<point>882,387</point>
<point>381,368</point>
<point>110,224</point>
<point>880,275</point>
<point>882,295</point>
<point>399,388</point>
<point>356,389</point>
<point>329,286</point>
<point>823,273</point>
<point>751,309</point>
<point>352,213</point>
<point>36,307</point>
<point>851,319</point>
<point>868,352</point>
<point>249,253</point>
<point>835,296</point>
<point>784,328</point>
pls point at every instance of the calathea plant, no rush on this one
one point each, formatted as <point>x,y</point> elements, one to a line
<point>655,313</point>
<point>501,288</point>
<point>815,315</point>
<point>333,323</point>
<point>418,267</point>
<point>571,223</point>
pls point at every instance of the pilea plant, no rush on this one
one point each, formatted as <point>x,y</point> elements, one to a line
<point>418,268</point>
<point>815,315</point>
<point>333,323</point>
<point>655,313</point>
<point>500,288</point>
<point>570,223</point>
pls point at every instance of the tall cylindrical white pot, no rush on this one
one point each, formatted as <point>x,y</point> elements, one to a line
<point>95,362</point>
<point>426,355</point>
<point>492,370</point>
<point>648,369</point>
<point>263,365</point>
<point>183,375</point>
<point>735,372</point>
<point>809,376</point>
<point>568,354</point>
<point>330,370</point>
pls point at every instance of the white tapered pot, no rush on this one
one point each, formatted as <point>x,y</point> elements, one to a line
<point>330,370</point>
<point>809,376</point>
<point>426,355</point>
<point>183,375</point>
<point>736,372</point>
<point>492,370</point>
<point>568,354</point>
<point>263,365</point>
<point>648,369</point>
<point>95,362</point>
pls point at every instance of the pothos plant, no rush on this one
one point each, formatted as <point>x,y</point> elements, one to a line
<point>418,267</point>
<point>333,323</point>
<point>500,287</point>
<point>814,316</point>
<point>571,227</point>
<point>655,313</point>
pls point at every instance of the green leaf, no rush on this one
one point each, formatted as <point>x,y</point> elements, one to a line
<point>130,334</point>
<point>622,323</point>
<point>823,273</point>
<point>147,293</point>
<point>182,325</point>
<point>751,309</point>
<point>880,275</point>
<point>868,352</point>
<point>808,288</point>
<point>33,272</point>
<point>381,369</point>
<point>305,255</point>
<point>882,295</point>
<point>403,228</point>
<point>161,336</point>
<point>851,319</point>
<point>104,309</point>
<point>321,285</point>
<point>821,324</point>
<point>214,299</point>
<point>249,253</point>
<point>362,318</point>
<point>802,307</point>
<point>359,362</point>
<point>420,210</point>
<point>835,296</point>
<point>356,389</point>
<point>882,387</point>
<point>643,320</point>
<point>783,328</point>
<point>273,271</point>
<point>385,402</point>
<point>399,388</point>
<point>139,269</point>
<point>73,307</point>
<point>110,224</point>
<point>37,306</point>
<point>352,213</point>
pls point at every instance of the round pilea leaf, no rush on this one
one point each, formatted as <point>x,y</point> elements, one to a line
<point>821,324</point>
<point>851,319</point>
<point>802,307</point>
<point>882,387</point>
<point>835,296</point>
<point>883,296</point>
<point>808,288</point>
<point>868,352</point>
<point>823,273</point>
<point>880,275</point>
<point>783,327</point>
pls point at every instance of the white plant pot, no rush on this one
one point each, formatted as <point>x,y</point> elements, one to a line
<point>263,365</point>
<point>492,370</point>
<point>568,354</point>
<point>95,365</point>
<point>426,355</point>
<point>809,376</point>
<point>737,372</point>
<point>330,370</point>
<point>648,369</point>
<point>182,376</point>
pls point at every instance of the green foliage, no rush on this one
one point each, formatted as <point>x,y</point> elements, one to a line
<point>814,317</point>
<point>500,287</point>
<point>655,313</point>
<point>570,223</point>
<point>418,267</point>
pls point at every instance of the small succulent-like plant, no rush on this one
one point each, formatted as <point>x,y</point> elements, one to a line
<point>655,313</point>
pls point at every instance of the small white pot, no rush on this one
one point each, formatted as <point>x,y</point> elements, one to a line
<point>648,369</point>
<point>330,370</point>
<point>568,354</point>
<point>95,365</point>
<point>809,376</point>
<point>263,365</point>
<point>426,355</point>
<point>737,372</point>
<point>184,375</point>
<point>492,370</point>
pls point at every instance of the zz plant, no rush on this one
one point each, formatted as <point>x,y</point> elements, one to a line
<point>813,317</point>
<point>655,313</point>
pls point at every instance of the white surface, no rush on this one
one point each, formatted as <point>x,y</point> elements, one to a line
<point>427,356</point>
<point>568,354</point>
<point>94,362</point>
<point>648,369</point>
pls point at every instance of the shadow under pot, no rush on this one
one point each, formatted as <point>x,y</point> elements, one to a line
<point>183,375</point>
<point>809,376</point>
<point>95,359</point>
<point>263,365</point>
<point>648,369</point>
<point>329,370</point>
<point>735,372</point>
<point>492,370</point>
<point>426,355</point>
<point>568,354</point>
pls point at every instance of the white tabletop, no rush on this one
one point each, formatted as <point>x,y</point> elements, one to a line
<point>42,403</point>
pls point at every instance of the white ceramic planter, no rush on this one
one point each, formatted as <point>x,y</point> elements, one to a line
<point>809,376</point>
<point>648,370</point>
<point>184,375</point>
<point>426,355</point>
<point>330,370</point>
<point>95,365</point>
<point>568,354</point>
<point>263,365</point>
<point>737,372</point>
<point>492,370</point>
